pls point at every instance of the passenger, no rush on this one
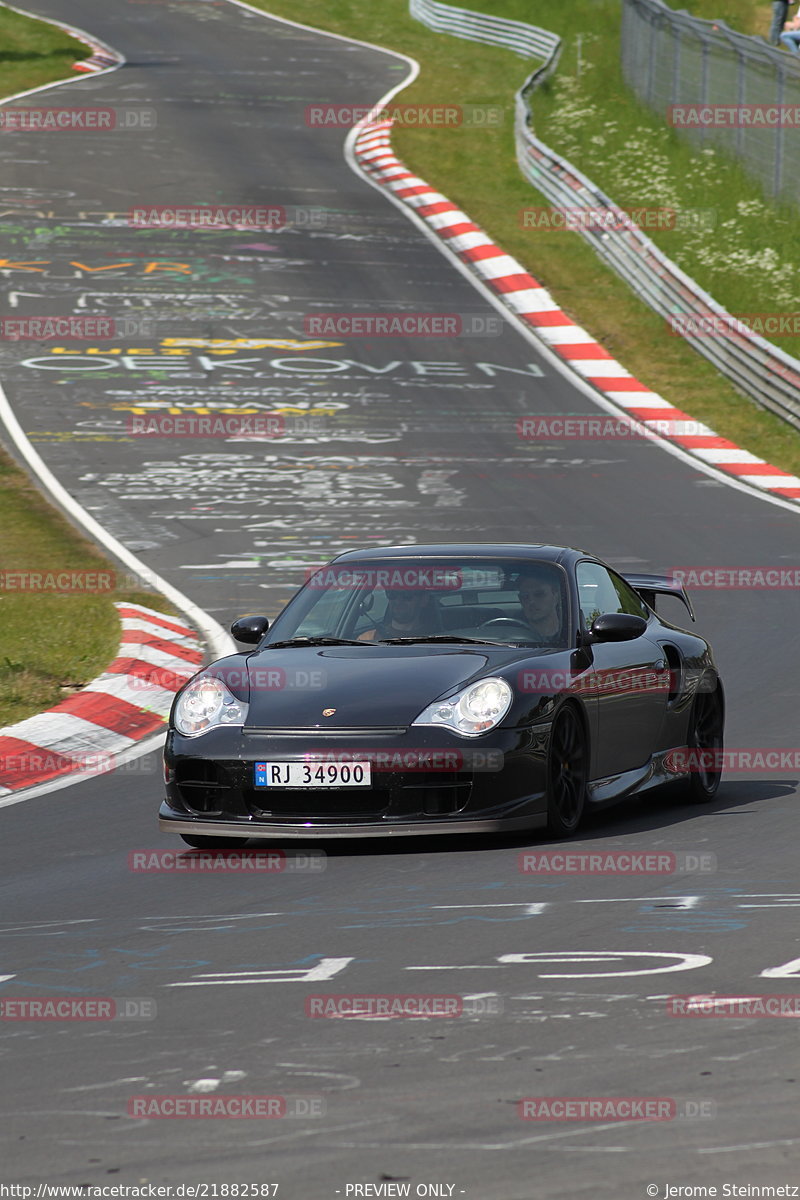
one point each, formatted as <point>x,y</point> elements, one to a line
<point>409,612</point>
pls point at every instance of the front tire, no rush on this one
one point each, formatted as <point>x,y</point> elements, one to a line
<point>567,773</point>
<point>208,842</point>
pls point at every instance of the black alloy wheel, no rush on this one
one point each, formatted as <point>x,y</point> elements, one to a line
<point>567,774</point>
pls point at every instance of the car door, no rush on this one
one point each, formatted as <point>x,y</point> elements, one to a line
<point>630,679</point>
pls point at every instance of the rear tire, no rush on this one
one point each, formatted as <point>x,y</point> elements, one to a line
<point>209,842</point>
<point>567,773</point>
<point>705,738</point>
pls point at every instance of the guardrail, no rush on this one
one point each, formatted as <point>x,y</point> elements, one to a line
<point>518,36</point>
<point>761,370</point>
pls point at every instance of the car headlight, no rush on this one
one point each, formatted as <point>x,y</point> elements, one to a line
<point>477,709</point>
<point>205,703</point>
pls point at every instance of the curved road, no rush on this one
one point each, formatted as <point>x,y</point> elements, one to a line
<point>405,439</point>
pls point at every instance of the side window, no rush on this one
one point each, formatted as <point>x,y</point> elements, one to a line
<point>596,591</point>
<point>629,600</point>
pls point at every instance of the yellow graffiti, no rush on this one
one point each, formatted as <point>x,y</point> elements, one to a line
<point>35,264</point>
<point>39,264</point>
<point>229,344</point>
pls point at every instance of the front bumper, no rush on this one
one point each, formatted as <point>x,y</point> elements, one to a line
<point>210,787</point>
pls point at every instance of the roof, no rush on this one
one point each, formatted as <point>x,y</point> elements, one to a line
<point>533,551</point>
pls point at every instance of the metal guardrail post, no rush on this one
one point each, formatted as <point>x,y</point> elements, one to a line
<point>675,82</point>
<point>651,71</point>
<point>780,145</point>
<point>705,51</point>
<point>740,96</point>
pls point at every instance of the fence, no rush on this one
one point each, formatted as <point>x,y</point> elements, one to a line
<point>761,370</point>
<point>670,58</point>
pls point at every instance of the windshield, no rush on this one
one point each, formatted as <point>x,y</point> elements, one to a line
<point>506,601</point>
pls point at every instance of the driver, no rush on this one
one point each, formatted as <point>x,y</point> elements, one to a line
<point>540,599</point>
<point>409,611</point>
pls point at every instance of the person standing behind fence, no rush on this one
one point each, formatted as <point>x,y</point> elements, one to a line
<point>780,10</point>
<point>790,37</point>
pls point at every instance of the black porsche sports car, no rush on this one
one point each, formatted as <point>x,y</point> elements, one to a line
<point>444,689</point>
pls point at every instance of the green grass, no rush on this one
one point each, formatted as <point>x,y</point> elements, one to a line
<point>33,53</point>
<point>747,255</point>
<point>49,643</point>
<point>477,170</point>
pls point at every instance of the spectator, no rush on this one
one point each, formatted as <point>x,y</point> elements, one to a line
<point>791,35</point>
<point>780,9</point>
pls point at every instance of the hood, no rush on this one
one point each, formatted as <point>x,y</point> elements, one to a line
<point>376,686</point>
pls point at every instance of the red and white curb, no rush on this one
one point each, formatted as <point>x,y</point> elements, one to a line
<point>99,61</point>
<point>129,701</point>
<point>102,56</point>
<point>534,305</point>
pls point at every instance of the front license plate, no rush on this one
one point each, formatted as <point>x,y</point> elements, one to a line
<point>312,775</point>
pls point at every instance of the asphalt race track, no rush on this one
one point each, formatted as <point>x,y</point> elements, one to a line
<point>387,440</point>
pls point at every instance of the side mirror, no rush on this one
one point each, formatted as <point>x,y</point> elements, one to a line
<point>617,627</point>
<point>249,629</point>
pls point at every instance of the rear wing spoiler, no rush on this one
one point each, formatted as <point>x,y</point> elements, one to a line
<point>650,586</point>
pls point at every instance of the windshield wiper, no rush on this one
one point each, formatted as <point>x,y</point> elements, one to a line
<point>441,637</point>
<point>316,641</point>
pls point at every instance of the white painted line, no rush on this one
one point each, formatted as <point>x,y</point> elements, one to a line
<point>325,969</point>
<point>787,971</point>
<point>686,901</point>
